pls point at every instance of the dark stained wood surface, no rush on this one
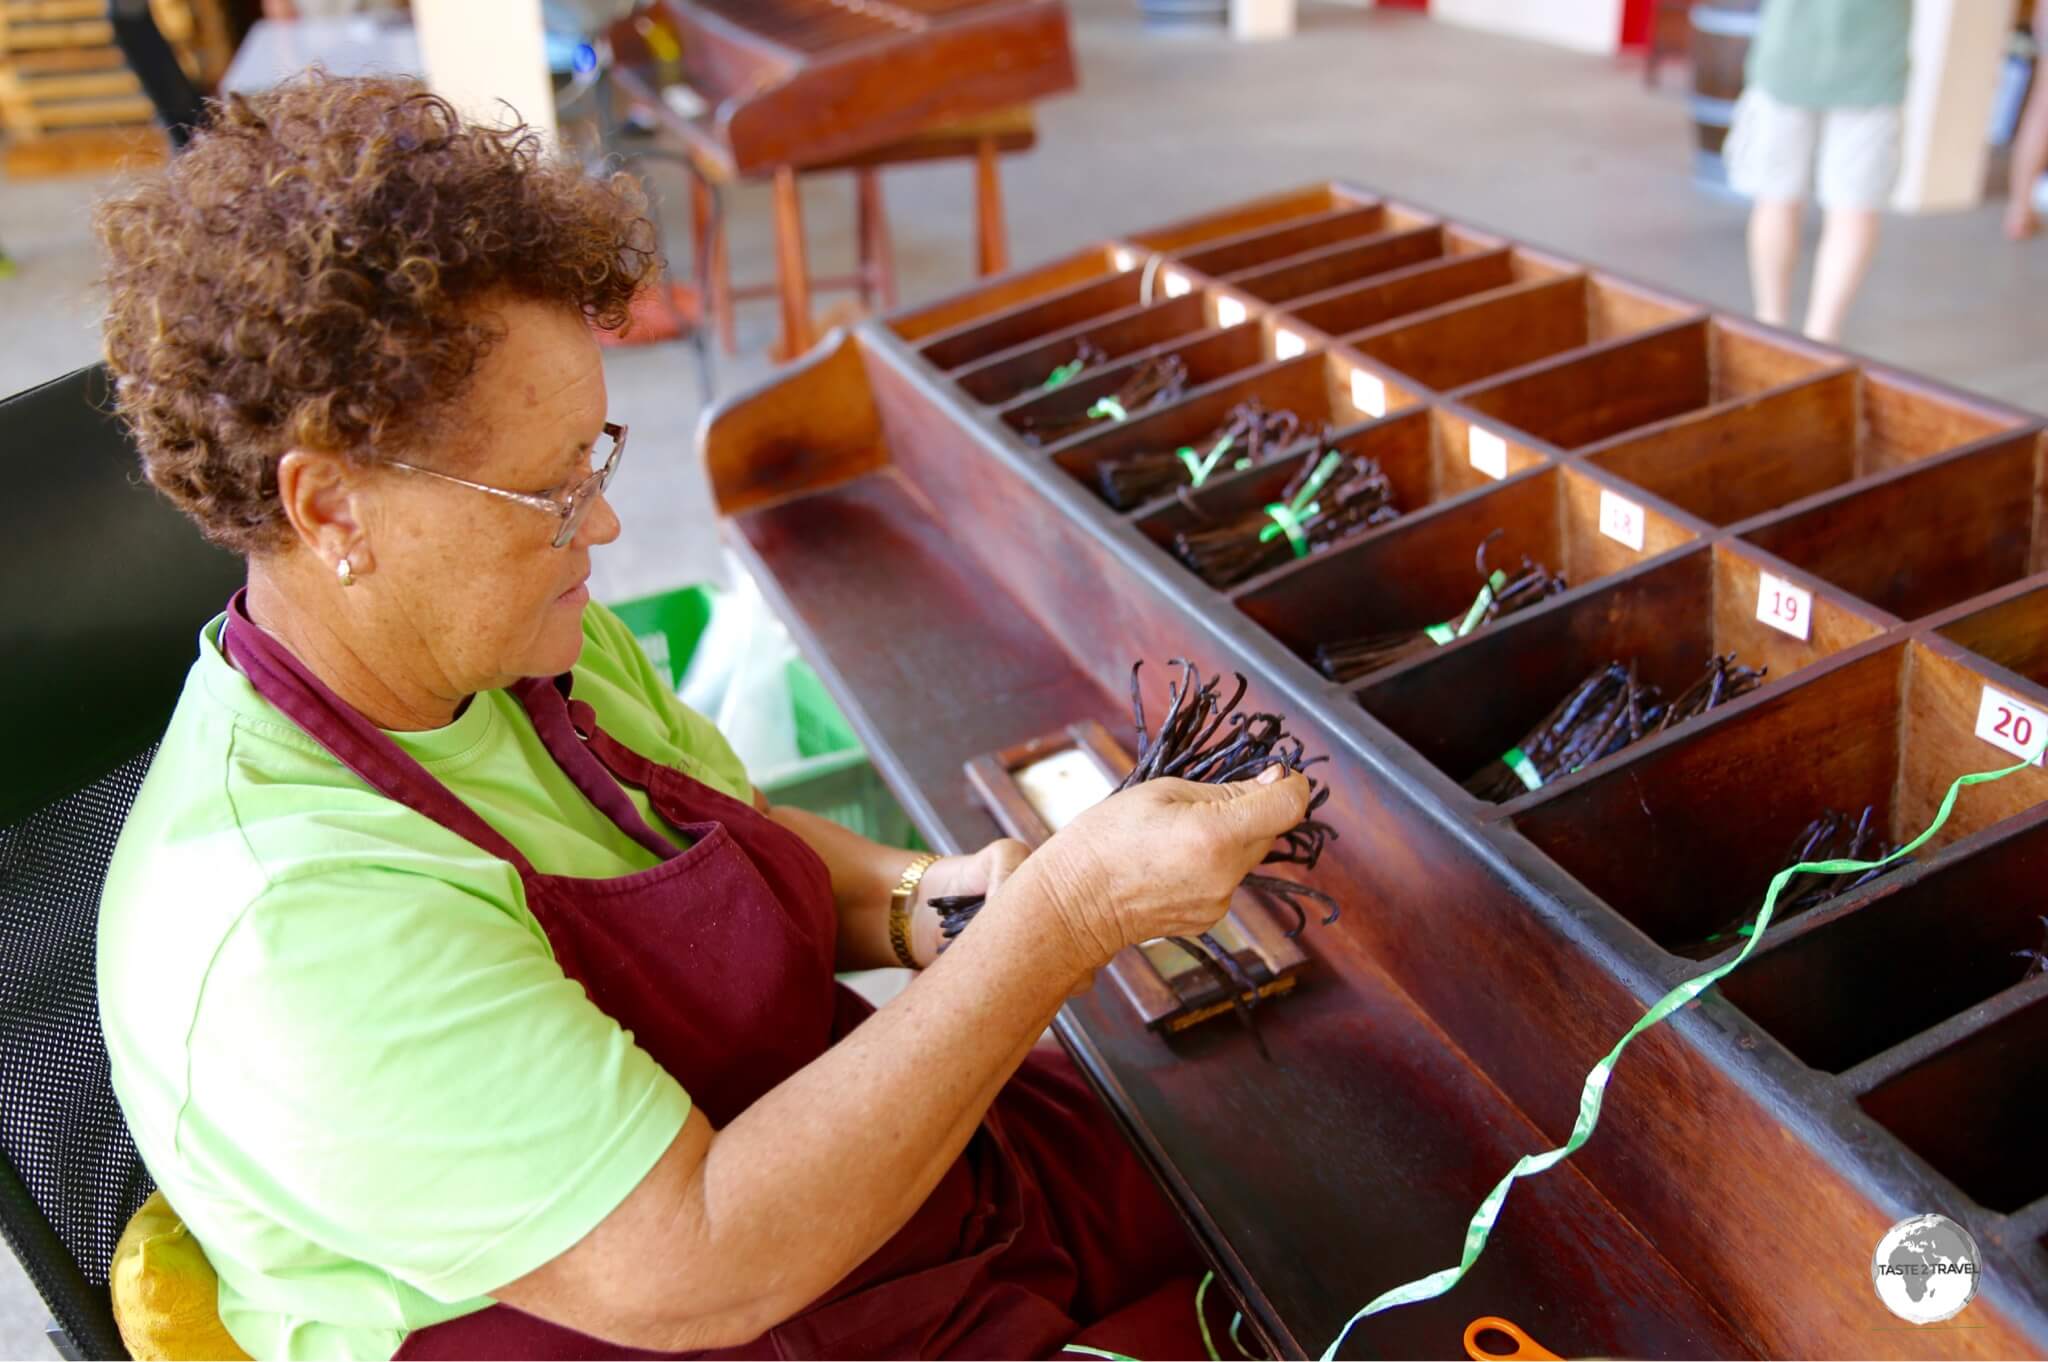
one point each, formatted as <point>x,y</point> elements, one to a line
<point>1365,1094</point>
<point>779,77</point>
<point>1527,936</point>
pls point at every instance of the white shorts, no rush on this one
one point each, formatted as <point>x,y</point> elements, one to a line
<point>1771,151</point>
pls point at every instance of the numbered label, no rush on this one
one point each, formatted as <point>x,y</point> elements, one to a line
<point>1286,344</point>
<point>1785,607</point>
<point>1621,520</point>
<point>1177,284</point>
<point>1488,452</point>
<point>1229,311</point>
<point>1368,394</point>
<point>2011,725</point>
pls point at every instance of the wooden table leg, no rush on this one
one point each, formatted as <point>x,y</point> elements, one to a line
<point>790,267</point>
<point>713,270</point>
<point>994,254</point>
<point>877,259</point>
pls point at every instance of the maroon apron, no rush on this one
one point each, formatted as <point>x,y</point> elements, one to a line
<point>719,959</point>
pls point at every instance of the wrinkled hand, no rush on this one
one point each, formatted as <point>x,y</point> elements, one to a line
<point>979,872</point>
<point>1161,858</point>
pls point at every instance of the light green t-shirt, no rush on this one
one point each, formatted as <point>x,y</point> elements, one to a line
<point>1831,54</point>
<point>341,1040</point>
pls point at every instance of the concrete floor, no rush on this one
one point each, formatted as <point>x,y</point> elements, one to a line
<point>1562,149</point>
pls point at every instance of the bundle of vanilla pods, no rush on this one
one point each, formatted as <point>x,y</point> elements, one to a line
<point>1354,493</point>
<point>1603,714</point>
<point>1203,737</point>
<point>1500,594</point>
<point>1250,434</point>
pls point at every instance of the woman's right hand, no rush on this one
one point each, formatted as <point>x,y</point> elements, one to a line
<point>1160,859</point>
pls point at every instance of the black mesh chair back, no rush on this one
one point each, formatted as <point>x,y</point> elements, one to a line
<point>108,587</point>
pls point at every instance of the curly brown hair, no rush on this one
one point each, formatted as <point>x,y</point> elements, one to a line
<point>307,275</point>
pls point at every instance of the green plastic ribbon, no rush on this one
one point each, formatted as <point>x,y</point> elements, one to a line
<point>1288,516</point>
<point>1063,375</point>
<point>1516,760</point>
<point>1595,1090</point>
<point>1110,407</point>
<point>1440,634</point>
<point>1480,602</point>
<point>1199,468</point>
<point>1103,1353</point>
<point>1203,1320</point>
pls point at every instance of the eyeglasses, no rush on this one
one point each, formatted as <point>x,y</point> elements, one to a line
<point>571,507</point>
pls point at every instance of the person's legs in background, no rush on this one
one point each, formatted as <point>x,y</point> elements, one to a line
<point>1769,151</point>
<point>1848,239</point>
<point>1859,160</point>
<point>1773,255</point>
<point>2030,143</point>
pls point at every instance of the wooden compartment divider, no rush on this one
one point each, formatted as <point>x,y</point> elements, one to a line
<point>1620,385</point>
<point>1924,536</point>
<point>1253,216</point>
<point>1879,1055</point>
<point>1422,570</point>
<point>1737,460</point>
<point>958,311</point>
<point>1351,262</point>
<point>1459,343</point>
<point>1209,357</point>
<point>1683,839</point>
<point>1252,250</point>
<point>1315,387</point>
<point>1021,371</point>
<point>1068,308</point>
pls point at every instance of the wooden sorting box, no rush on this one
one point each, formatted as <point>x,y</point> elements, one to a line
<point>1885,1054</point>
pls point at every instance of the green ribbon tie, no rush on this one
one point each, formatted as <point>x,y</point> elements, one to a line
<point>1288,517</point>
<point>1199,468</point>
<point>1516,760</point>
<point>1440,634</point>
<point>1485,597</point>
<point>1110,407</point>
<point>1595,1091</point>
<point>1062,375</point>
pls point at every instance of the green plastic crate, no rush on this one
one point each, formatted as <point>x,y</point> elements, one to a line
<point>668,627</point>
<point>834,779</point>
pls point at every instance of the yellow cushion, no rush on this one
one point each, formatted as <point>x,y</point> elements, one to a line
<point>166,1296</point>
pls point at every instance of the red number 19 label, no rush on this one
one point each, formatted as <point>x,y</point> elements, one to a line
<point>1783,606</point>
<point>2008,724</point>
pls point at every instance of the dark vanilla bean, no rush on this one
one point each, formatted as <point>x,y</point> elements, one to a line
<point>1205,737</point>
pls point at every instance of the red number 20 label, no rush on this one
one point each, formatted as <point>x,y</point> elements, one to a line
<point>2011,725</point>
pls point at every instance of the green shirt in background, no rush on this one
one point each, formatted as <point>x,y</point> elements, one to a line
<point>1831,54</point>
<point>340,1039</point>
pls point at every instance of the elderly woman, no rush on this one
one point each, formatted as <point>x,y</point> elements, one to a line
<point>461,993</point>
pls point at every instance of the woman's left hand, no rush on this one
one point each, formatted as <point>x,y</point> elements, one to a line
<point>978,872</point>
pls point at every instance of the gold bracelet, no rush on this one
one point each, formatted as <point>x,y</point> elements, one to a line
<point>899,906</point>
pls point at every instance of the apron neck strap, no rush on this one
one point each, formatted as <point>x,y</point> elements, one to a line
<point>593,760</point>
<point>285,681</point>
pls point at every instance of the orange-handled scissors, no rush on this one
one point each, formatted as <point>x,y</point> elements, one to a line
<point>1527,1349</point>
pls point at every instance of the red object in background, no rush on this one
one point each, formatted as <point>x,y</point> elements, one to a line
<point>1636,18</point>
<point>1404,4</point>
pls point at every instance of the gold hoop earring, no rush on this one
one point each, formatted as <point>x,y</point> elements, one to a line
<point>342,570</point>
